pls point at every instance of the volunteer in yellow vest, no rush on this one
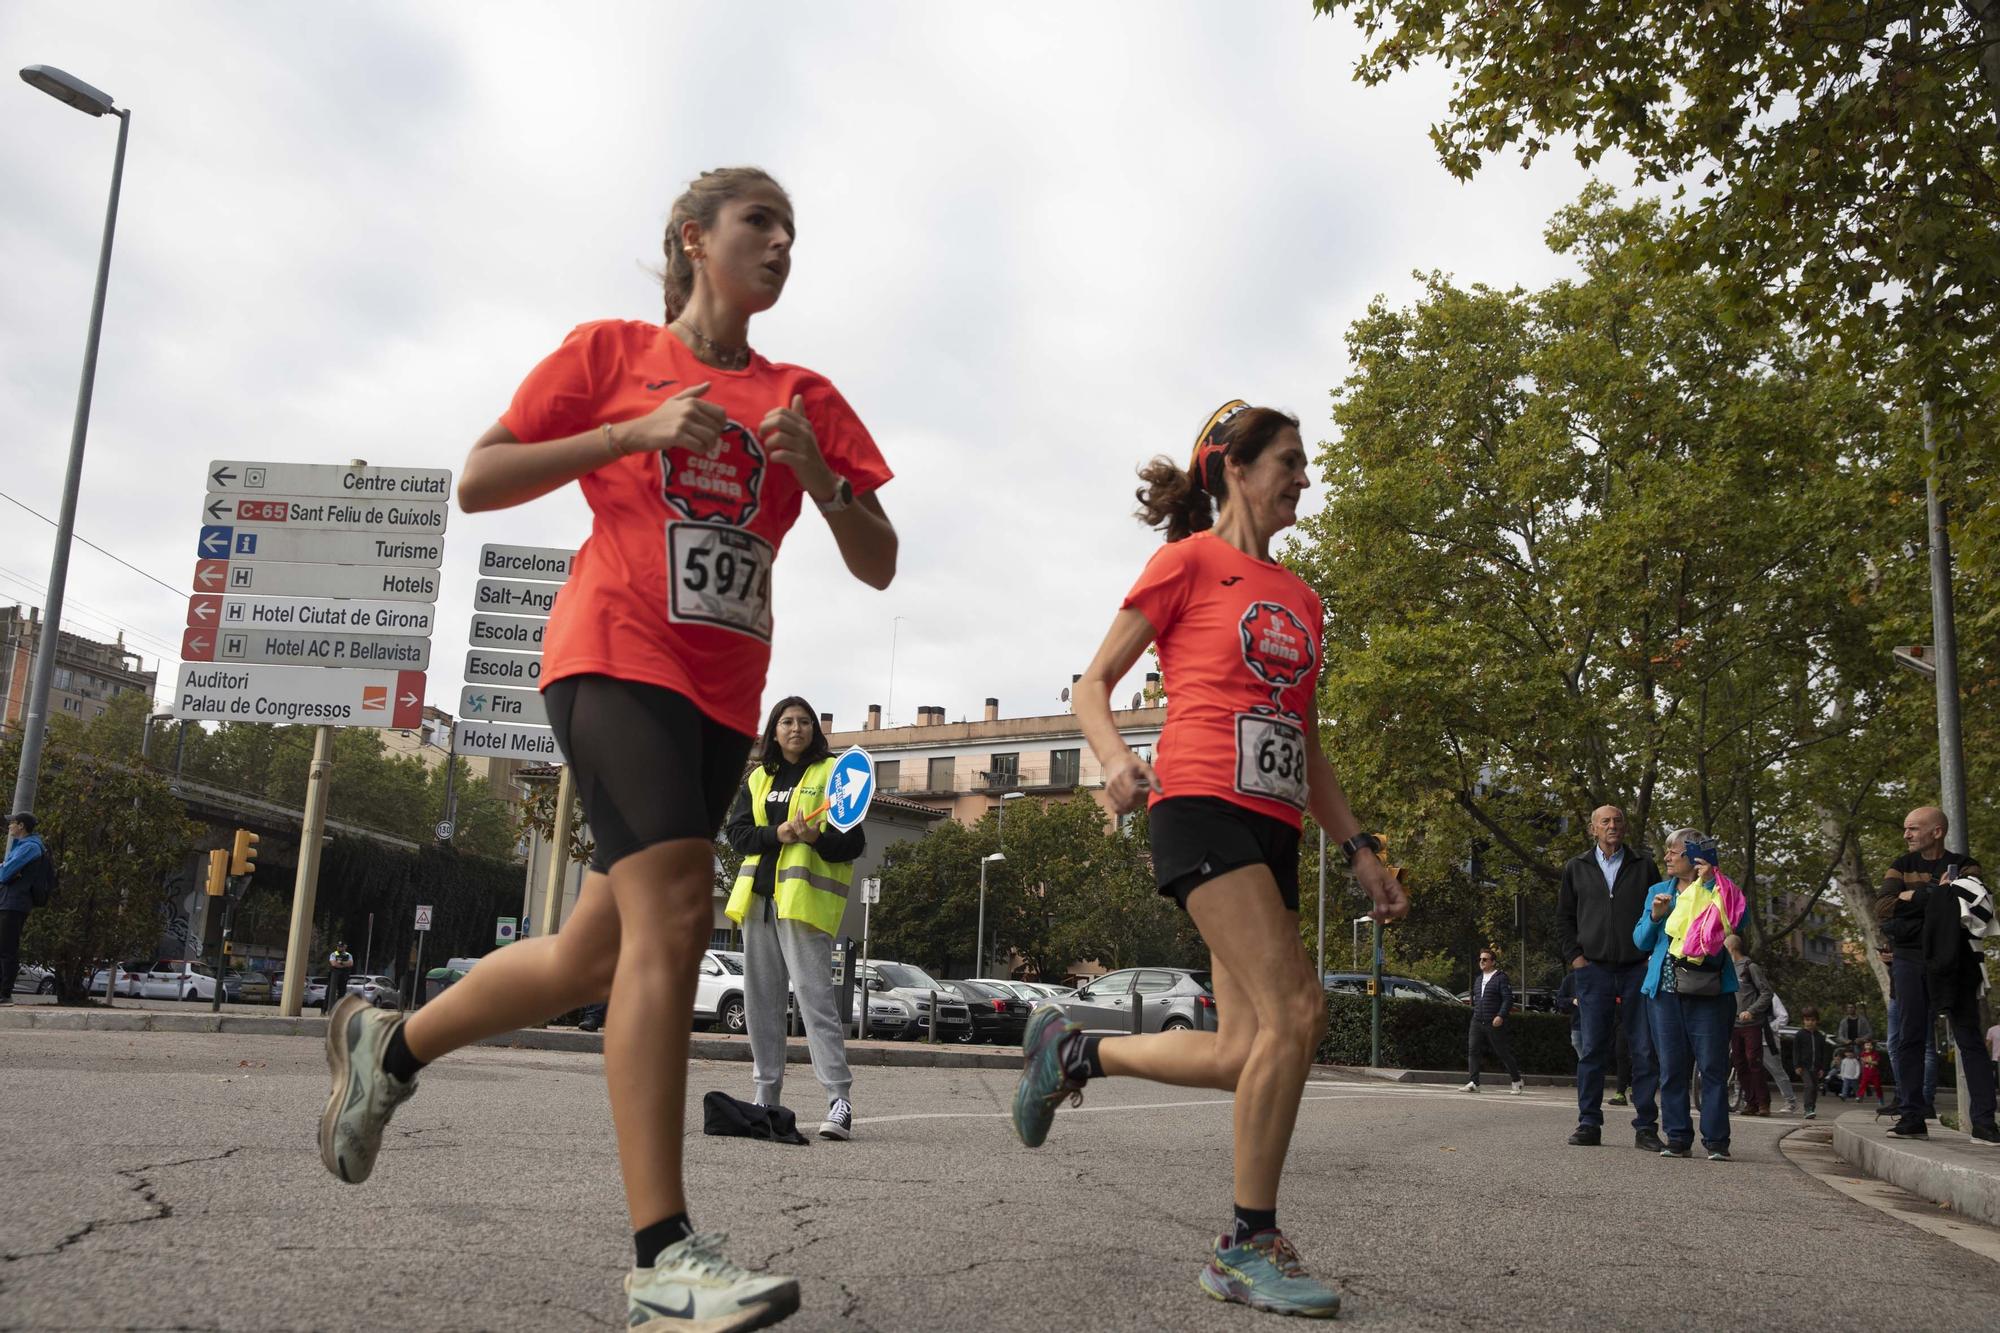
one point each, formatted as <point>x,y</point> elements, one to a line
<point>789,897</point>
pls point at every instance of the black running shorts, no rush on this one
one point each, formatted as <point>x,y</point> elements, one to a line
<point>1197,838</point>
<point>649,766</point>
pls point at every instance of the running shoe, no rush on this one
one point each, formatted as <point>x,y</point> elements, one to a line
<point>1617,1099</point>
<point>1718,1154</point>
<point>692,1287</point>
<point>1909,1128</point>
<point>1044,1082</point>
<point>1677,1150</point>
<point>364,1094</point>
<point>1987,1133</point>
<point>839,1122</point>
<point>1518,1088</point>
<point>1264,1272</point>
<point>1470,1087</point>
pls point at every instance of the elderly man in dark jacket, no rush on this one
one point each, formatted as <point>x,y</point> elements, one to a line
<point>1602,895</point>
<point>1492,1000</point>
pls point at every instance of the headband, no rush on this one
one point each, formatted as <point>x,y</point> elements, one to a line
<point>1205,467</point>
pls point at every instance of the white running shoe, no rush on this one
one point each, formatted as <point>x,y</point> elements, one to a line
<point>1470,1087</point>
<point>364,1094</point>
<point>839,1122</point>
<point>691,1288</point>
<point>1516,1090</point>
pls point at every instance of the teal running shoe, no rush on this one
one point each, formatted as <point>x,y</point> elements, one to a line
<point>1266,1273</point>
<point>364,1094</point>
<point>1044,1083</point>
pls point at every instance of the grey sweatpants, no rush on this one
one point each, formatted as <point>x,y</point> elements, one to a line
<point>771,949</point>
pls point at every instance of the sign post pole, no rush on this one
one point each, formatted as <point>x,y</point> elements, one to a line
<point>558,854</point>
<point>298,941</point>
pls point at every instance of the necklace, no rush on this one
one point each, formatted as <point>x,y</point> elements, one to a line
<point>711,351</point>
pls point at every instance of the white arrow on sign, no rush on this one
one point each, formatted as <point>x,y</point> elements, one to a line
<point>319,547</point>
<point>541,564</point>
<point>517,634</point>
<point>312,613</point>
<point>515,599</point>
<point>204,692</point>
<point>489,703</point>
<point>506,740</point>
<point>399,652</point>
<point>384,483</point>
<point>325,512</point>
<point>281,578</point>
<point>484,668</point>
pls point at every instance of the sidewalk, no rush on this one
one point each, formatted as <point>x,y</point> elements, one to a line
<point>1950,1168</point>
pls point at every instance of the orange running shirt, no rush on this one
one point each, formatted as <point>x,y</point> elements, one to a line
<point>673,587</point>
<point>1239,642</point>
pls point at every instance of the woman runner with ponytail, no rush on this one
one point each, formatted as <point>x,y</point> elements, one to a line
<point>696,456</point>
<point>1238,760</point>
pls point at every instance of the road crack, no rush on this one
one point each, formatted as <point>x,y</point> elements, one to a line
<point>138,1182</point>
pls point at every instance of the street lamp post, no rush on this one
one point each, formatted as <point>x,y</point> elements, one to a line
<point>979,942</point>
<point>74,91</point>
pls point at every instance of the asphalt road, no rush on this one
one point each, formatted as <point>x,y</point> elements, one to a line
<point>161,1181</point>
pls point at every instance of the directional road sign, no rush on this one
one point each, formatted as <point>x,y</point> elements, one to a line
<point>423,918</point>
<point>487,703</point>
<point>851,788</point>
<point>484,668</point>
<point>219,541</point>
<point>323,511</point>
<point>208,611</point>
<point>543,564</point>
<point>504,929</point>
<point>507,741</point>
<point>515,599</point>
<point>211,693</point>
<point>515,634</point>
<point>306,648</point>
<point>278,578</point>
<point>386,483</point>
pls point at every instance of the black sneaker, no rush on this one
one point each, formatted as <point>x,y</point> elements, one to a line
<point>1677,1150</point>
<point>1585,1136</point>
<point>839,1122</point>
<point>1910,1129</point>
<point>1718,1154</point>
<point>1987,1133</point>
<point>1647,1141</point>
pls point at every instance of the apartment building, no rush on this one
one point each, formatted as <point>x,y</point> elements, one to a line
<point>430,744</point>
<point>88,674</point>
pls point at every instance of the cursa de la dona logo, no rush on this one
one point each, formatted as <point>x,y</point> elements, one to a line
<point>722,489</point>
<point>1276,645</point>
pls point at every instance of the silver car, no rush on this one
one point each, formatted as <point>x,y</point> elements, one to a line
<point>914,987</point>
<point>1167,998</point>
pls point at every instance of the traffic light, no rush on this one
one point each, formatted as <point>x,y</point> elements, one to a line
<point>243,859</point>
<point>218,873</point>
<point>228,949</point>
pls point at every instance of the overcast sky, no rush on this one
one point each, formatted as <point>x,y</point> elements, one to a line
<point>1037,243</point>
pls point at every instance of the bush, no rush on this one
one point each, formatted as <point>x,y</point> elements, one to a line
<point>1430,1034</point>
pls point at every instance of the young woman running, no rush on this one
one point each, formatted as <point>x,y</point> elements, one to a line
<point>1238,760</point>
<point>696,455</point>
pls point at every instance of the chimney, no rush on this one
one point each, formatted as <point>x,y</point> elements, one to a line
<point>874,722</point>
<point>826,721</point>
<point>923,715</point>
<point>992,709</point>
<point>1153,691</point>
<point>933,715</point>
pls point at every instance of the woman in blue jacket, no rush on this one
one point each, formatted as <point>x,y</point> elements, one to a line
<point>1690,983</point>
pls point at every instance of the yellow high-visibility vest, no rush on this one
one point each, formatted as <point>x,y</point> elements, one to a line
<point>806,888</point>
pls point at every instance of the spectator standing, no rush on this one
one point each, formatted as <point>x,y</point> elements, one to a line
<point>1601,902</point>
<point>1492,1008</point>
<point>1850,1075</point>
<point>25,868</point>
<point>1855,1028</point>
<point>1746,1038</point>
<point>339,967</point>
<point>1871,1073</point>
<point>1691,984</point>
<point>1811,1053</point>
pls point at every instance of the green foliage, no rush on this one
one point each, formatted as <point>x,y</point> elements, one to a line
<point>1430,1034</point>
<point>467,895</point>
<point>114,833</point>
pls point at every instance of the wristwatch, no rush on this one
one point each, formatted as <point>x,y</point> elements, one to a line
<point>843,496</point>
<point>1352,847</point>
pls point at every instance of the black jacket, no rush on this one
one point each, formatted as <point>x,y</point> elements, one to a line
<point>1494,1001</point>
<point>747,838</point>
<point>1596,925</point>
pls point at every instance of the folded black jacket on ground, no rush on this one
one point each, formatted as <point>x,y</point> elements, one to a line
<point>1594,924</point>
<point>725,1117</point>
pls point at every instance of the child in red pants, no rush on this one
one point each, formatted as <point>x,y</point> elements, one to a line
<point>1871,1073</point>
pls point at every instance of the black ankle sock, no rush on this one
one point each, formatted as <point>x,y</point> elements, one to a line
<point>1078,1054</point>
<point>1250,1221</point>
<point>396,1057</point>
<point>647,1242</point>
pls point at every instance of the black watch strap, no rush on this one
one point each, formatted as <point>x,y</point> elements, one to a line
<point>1352,847</point>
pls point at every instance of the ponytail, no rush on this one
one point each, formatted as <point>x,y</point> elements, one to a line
<point>1183,502</point>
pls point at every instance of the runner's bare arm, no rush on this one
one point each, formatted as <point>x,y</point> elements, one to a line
<point>501,472</point>
<point>1127,777</point>
<point>866,538</point>
<point>1330,808</point>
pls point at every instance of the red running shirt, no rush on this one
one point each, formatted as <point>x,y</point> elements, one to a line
<point>1239,642</point>
<point>673,588</point>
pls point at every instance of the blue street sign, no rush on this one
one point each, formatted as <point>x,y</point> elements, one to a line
<point>850,789</point>
<point>213,543</point>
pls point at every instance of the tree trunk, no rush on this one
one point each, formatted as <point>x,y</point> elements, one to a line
<point>1988,14</point>
<point>1858,896</point>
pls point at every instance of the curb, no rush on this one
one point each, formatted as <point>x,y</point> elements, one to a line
<point>1948,1169</point>
<point>873,1054</point>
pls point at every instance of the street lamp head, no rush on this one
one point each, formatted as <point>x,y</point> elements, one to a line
<point>68,88</point>
<point>1013,795</point>
<point>997,856</point>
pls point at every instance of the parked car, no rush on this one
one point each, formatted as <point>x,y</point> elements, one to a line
<point>890,1017</point>
<point>128,979</point>
<point>314,995</point>
<point>999,1017</point>
<point>914,986</point>
<point>1043,990</point>
<point>247,987</point>
<point>1034,992</point>
<point>178,979</point>
<point>1393,987</point>
<point>380,991</point>
<point>33,980</point>
<point>718,992</point>
<point>1168,997</point>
